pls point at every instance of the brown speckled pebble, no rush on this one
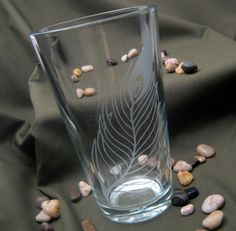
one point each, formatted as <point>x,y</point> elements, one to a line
<point>185,178</point>
<point>172,61</point>
<point>77,72</point>
<point>87,226</point>
<point>214,220</point>
<point>52,208</point>
<point>170,68</point>
<point>205,150</point>
<point>46,227</point>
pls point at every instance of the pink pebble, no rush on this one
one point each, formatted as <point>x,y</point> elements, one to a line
<point>187,210</point>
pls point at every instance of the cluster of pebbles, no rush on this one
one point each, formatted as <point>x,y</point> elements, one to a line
<point>50,208</point>
<point>211,204</point>
<point>173,65</point>
<point>78,71</point>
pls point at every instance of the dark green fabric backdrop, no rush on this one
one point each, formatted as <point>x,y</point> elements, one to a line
<point>35,151</point>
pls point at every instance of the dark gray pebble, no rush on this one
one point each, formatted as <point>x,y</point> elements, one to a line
<point>194,162</point>
<point>189,67</point>
<point>192,192</point>
<point>46,227</point>
<point>179,197</point>
<point>164,52</point>
<point>75,194</point>
<point>41,199</point>
<point>111,62</point>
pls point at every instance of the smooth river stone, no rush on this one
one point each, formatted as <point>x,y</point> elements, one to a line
<point>213,220</point>
<point>182,166</point>
<point>185,178</point>
<point>205,150</point>
<point>187,210</point>
<point>51,207</point>
<point>179,197</point>
<point>46,227</point>
<point>192,192</point>
<point>84,188</point>
<point>42,217</point>
<point>212,203</point>
<point>41,199</point>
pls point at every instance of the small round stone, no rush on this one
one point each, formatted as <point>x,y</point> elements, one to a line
<point>84,188</point>
<point>115,170</point>
<point>111,62</point>
<point>212,203</point>
<point>213,220</point>
<point>187,210</point>
<point>90,91</point>
<point>205,150</point>
<point>179,197</point>
<point>77,72</point>
<point>87,226</point>
<point>182,165</point>
<point>201,159</point>
<point>87,68</point>
<point>189,67</point>
<point>185,178</point>
<point>179,69</point>
<point>41,199</point>
<point>170,68</point>
<point>79,92</point>
<point>75,194</point>
<point>42,216</point>
<point>132,53</point>
<point>142,159</point>
<point>172,61</point>
<point>74,79</point>
<point>172,162</point>
<point>194,162</point>
<point>124,58</point>
<point>46,227</point>
<point>51,208</point>
<point>192,192</point>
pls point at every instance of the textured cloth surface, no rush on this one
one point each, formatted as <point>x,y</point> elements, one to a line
<point>35,151</point>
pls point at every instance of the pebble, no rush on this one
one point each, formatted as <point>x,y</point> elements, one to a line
<point>41,199</point>
<point>90,91</point>
<point>111,62</point>
<point>192,192</point>
<point>85,189</point>
<point>87,226</point>
<point>163,53</point>
<point>153,162</point>
<point>201,159</point>
<point>51,207</point>
<point>46,227</point>
<point>142,159</point>
<point>179,69</point>
<point>179,197</point>
<point>79,92</point>
<point>75,194</point>
<point>74,78</point>
<point>115,170</point>
<point>200,230</point>
<point>124,58</point>
<point>185,178</point>
<point>205,150</point>
<point>170,68</point>
<point>187,210</point>
<point>132,53</point>
<point>172,162</point>
<point>213,220</point>
<point>87,68</point>
<point>77,72</point>
<point>212,203</point>
<point>189,67</point>
<point>182,165</point>
<point>42,216</point>
<point>172,61</point>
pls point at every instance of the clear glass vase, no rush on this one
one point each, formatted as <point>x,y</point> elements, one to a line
<point>105,73</point>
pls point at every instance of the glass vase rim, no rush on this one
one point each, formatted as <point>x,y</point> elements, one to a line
<point>63,26</point>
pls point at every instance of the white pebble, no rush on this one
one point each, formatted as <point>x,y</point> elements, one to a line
<point>124,58</point>
<point>79,92</point>
<point>214,220</point>
<point>182,166</point>
<point>132,53</point>
<point>84,188</point>
<point>43,217</point>
<point>87,68</point>
<point>142,159</point>
<point>172,61</point>
<point>212,203</point>
<point>187,210</point>
<point>205,150</point>
<point>116,169</point>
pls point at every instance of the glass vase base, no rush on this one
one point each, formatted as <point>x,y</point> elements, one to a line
<point>123,199</point>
